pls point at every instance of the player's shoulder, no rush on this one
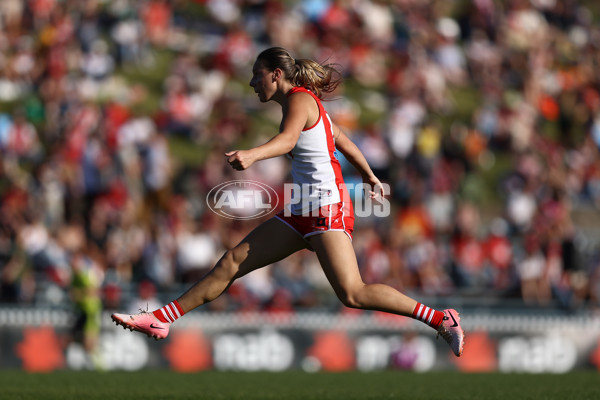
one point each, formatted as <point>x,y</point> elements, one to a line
<point>301,98</point>
<point>299,92</point>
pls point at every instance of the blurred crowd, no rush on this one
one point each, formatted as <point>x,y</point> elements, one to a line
<point>483,116</point>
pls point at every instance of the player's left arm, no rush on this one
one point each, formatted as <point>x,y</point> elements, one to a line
<point>358,160</point>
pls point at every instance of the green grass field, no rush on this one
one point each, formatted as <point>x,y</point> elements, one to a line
<point>150,385</point>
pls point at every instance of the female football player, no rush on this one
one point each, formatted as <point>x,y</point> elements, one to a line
<point>321,217</point>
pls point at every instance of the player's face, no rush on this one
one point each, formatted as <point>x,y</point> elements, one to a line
<point>263,82</point>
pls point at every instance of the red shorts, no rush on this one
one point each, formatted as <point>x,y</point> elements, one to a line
<point>333,217</point>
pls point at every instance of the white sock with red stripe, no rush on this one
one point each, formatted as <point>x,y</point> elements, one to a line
<point>169,313</point>
<point>431,317</point>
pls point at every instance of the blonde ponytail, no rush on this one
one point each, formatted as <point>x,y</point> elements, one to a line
<point>318,78</point>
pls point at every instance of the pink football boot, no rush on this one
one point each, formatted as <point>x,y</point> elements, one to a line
<point>144,322</point>
<point>451,331</point>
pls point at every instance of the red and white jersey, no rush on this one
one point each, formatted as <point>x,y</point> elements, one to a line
<point>316,171</point>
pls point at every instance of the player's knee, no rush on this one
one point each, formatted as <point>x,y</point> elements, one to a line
<point>351,298</point>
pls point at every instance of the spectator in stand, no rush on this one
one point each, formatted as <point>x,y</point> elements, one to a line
<point>22,139</point>
<point>438,98</point>
<point>531,267</point>
<point>468,253</point>
<point>145,298</point>
<point>196,250</point>
<point>500,257</point>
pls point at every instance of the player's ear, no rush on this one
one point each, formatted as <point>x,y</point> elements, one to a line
<point>277,74</point>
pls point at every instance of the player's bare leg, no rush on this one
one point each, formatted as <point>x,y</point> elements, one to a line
<point>338,260</point>
<point>271,241</point>
<point>268,243</point>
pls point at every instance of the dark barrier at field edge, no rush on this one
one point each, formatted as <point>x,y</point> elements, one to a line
<point>41,341</point>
